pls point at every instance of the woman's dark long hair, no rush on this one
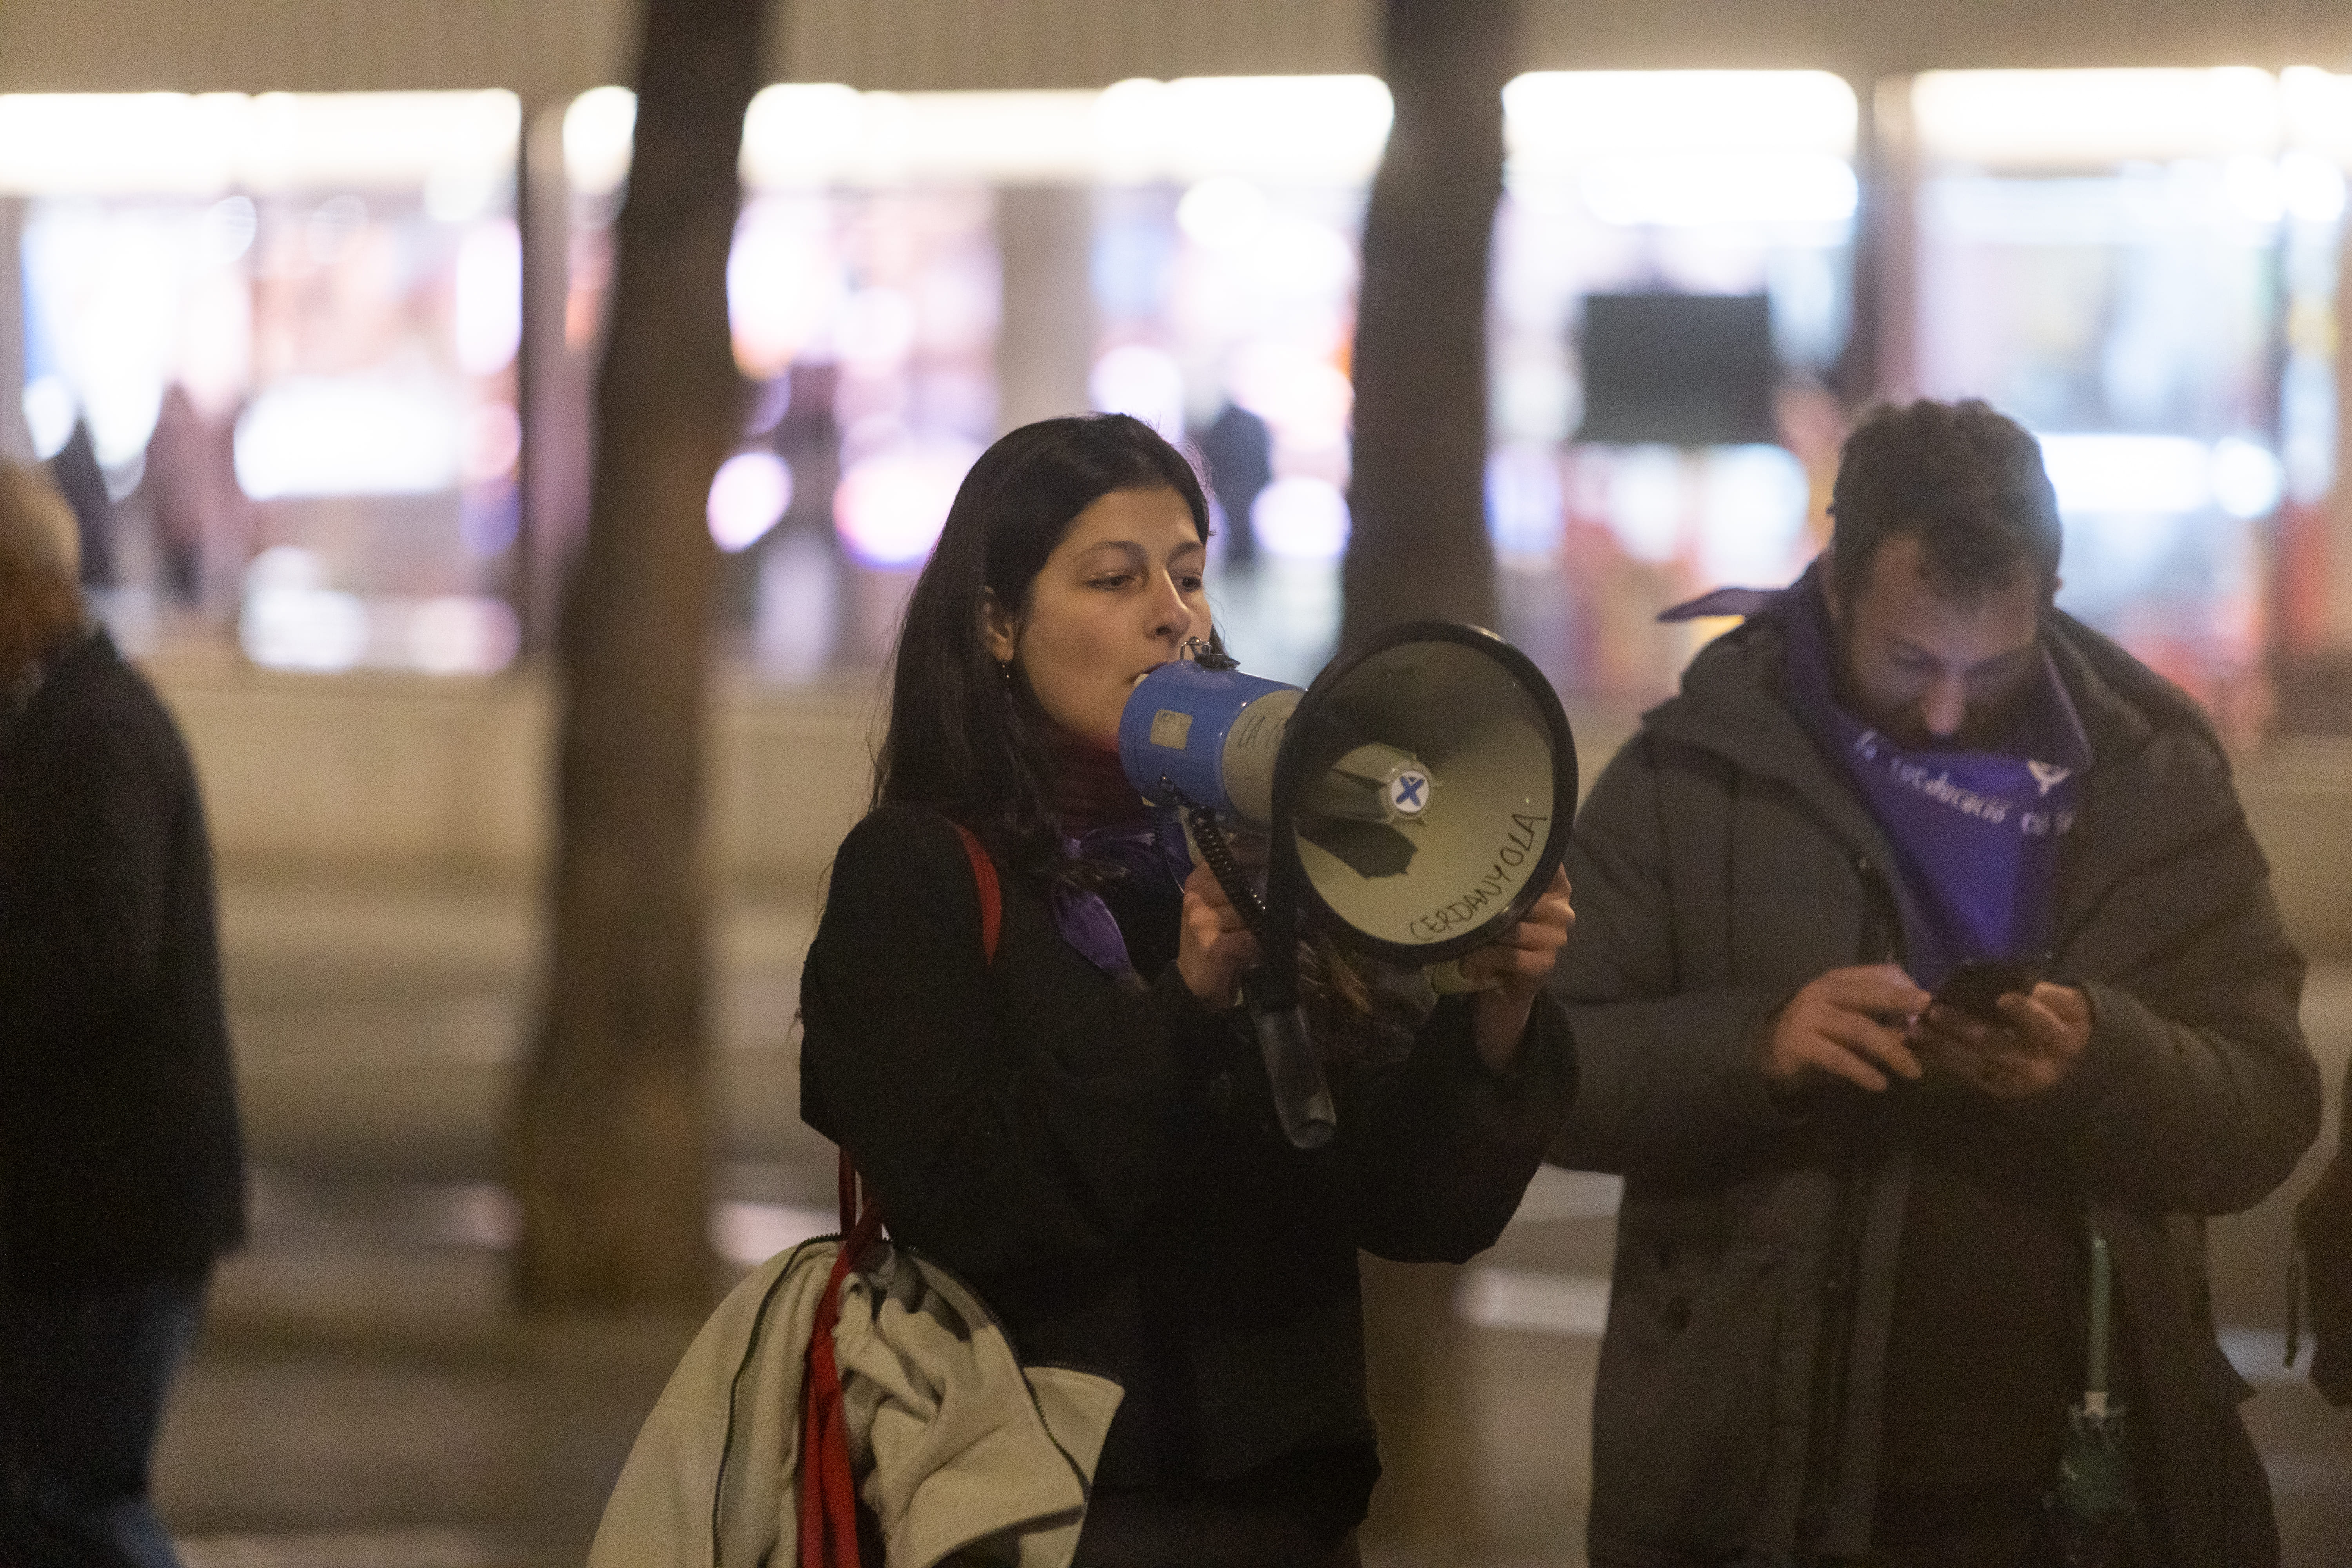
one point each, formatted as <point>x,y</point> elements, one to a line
<point>966,738</point>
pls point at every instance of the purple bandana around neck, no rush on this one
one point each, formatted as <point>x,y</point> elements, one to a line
<point>1977,832</point>
<point>1146,849</point>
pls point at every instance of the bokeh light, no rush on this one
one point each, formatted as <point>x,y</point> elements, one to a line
<point>751,492</point>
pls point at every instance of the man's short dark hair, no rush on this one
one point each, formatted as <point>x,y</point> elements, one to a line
<point>1965,481</point>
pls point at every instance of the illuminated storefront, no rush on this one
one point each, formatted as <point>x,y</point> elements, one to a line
<point>2141,266</point>
<point>1728,184</point>
<point>284,329</point>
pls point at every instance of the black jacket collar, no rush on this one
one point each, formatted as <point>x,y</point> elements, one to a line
<point>56,673</point>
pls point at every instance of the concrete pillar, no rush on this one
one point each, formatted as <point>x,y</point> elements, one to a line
<point>1046,331</point>
<point>16,439</point>
<point>552,383</point>
<point>1889,161</point>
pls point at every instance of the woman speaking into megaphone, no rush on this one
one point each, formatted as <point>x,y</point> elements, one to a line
<point>1021,1026</point>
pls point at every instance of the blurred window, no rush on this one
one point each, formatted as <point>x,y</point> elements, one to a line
<point>1623,184</point>
<point>2140,264</point>
<point>287,325</point>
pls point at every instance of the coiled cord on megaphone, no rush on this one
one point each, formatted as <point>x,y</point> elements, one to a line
<point>1302,1096</point>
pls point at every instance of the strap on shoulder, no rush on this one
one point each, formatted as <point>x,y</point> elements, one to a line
<point>828,1521</point>
<point>992,896</point>
<point>854,1202</point>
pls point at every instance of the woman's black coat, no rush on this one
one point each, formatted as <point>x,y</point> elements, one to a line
<point>1102,1163</point>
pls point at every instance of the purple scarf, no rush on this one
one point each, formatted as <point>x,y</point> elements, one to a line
<point>1151,850</point>
<point>1977,833</point>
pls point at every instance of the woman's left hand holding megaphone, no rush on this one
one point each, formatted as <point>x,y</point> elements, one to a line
<point>1516,968</point>
<point>1215,949</point>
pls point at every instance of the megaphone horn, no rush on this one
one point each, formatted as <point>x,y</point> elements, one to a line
<point>1416,798</point>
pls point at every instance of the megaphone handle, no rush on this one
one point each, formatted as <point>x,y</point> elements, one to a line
<point>1210,836</point>
<point>1302,1096</point>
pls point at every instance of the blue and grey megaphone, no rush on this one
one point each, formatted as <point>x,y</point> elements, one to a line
<point>1415,799</point>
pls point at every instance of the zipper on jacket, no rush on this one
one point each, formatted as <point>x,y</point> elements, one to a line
<point>1825,1424</point>
<point>1882,929</point>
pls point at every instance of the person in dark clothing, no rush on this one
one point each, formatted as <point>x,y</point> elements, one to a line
<point>120,1170</point>
<point>79,479</point>
<point>1082,1129</point>
<point>1238,447</point>
<point>1849,1310</point>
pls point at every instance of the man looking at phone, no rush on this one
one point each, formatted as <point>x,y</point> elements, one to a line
<point>1850,1312</point>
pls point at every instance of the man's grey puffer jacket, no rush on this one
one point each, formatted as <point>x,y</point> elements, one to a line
<point>1721,864</point>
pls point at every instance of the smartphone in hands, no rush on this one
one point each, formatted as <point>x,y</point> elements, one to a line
<point>1977,987</point>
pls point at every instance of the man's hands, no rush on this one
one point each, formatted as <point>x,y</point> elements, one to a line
<point>1862,1024</point>
<point>1849,1024</point>
<point>2036,1044</point>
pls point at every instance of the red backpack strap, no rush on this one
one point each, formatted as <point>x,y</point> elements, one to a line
<point>992,896</point>
<point>828,1493</point>
<point>828,1500</point>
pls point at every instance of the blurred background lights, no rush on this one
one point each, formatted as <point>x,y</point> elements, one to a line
<point>2088,119</point>
<point>453,634</point>
<point>228,228</point>
<point>1146,382</point>
<point>2253,187</point>
<point>1751,525</point>
<point>1304,396</point>
<point>1296,128</point>
<point>488,308</point>
<point>1647,502</point>
<point>293,620</point>
<point>49,413</point>
<point>2312,187</point>
<point>2248,480</point>
<point>1694,188</point>
<point>334,227</point>
<point>600,130</point>
<point>1222,212</point>
<point>120,275</point>
<point>799,131</point>
<point>799,606</point>
<point>1558,118</point>
<point>751,492</point>
<point>1301,258</point>
<point>345,436</point>
<point>1523,503</point>
<point>876,331</point>
<point>891,505</point>
<point>493,442</point>
<point>1300,517</point>
<point>2108,473</point>
<point>780,294</point>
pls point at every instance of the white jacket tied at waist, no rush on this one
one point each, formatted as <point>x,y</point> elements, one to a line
<point>955,1444</point>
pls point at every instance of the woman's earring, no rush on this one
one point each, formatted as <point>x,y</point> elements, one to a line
<point>1005,670</point>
